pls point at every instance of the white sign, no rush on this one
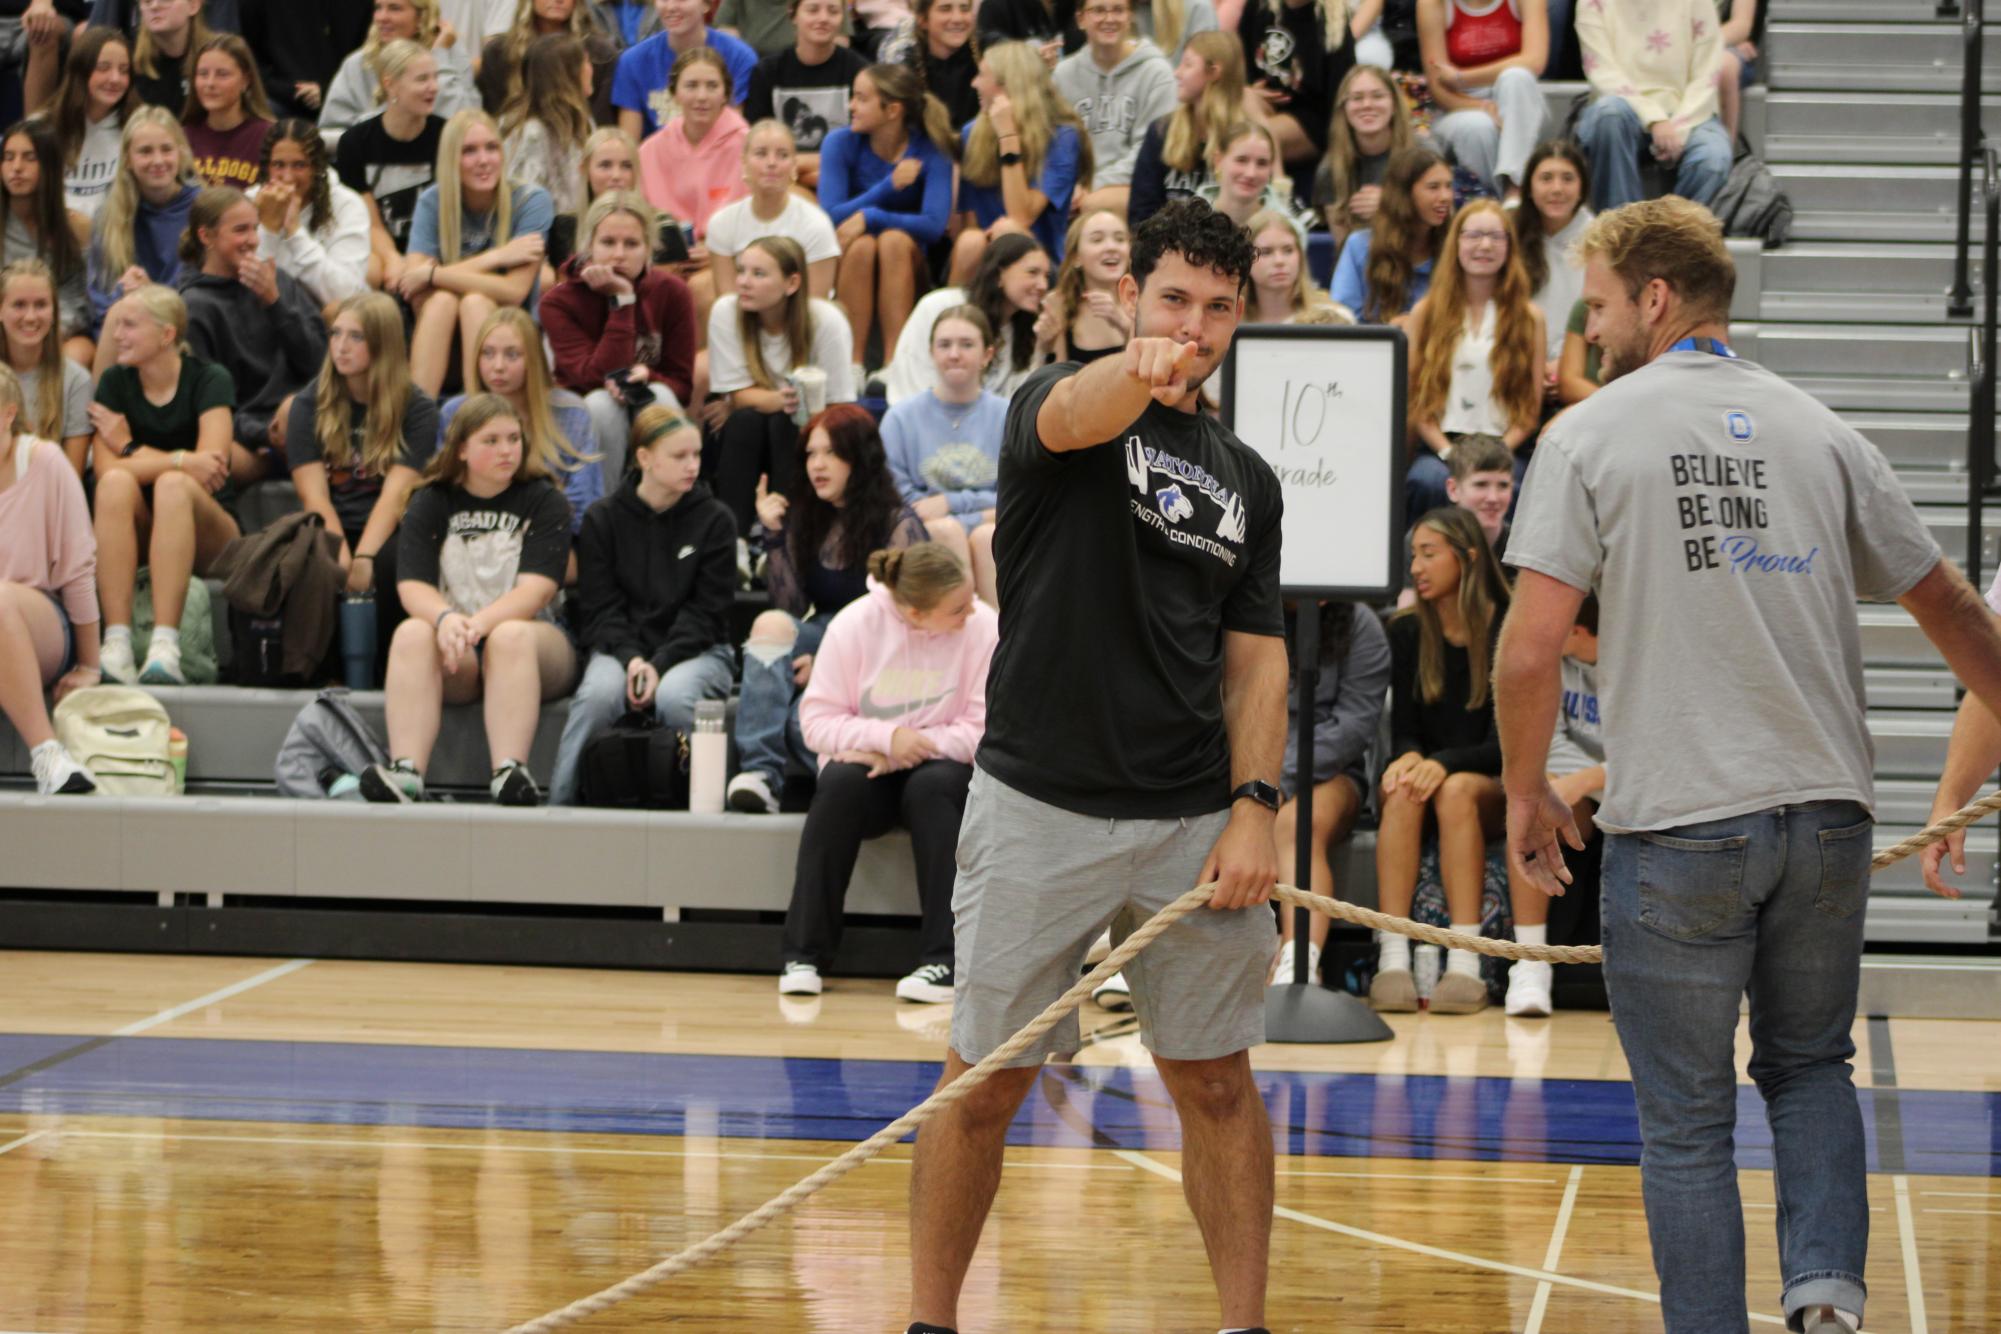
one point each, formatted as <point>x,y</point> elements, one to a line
<point>1325,407</point>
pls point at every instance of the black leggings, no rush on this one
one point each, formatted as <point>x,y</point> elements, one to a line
<point>848,807</point>
<point>751,444</point>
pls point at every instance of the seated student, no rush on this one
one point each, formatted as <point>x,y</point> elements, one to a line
<point>391,157</point>
<point>1022,159</point>
<point>656,579</point>
<point>1347,711</point>
<point>247,317</point>
<point>481,237</point>
<point>1298,55</point>
<point>164,423</point>
<point>48,593</point>
<point>357,88</point>
<point>1173,157</point>
<point>816,544</point>
<point>895,710</point>
<point>298,61</point>
<point>545,125</point>
<point>503,56</point>
<point>1081,319</point>
<point>1281,293</point>
<point>1483,484</point>
<point>1737,63</point>
<point>1581,370</point>
<point>805,86</point>
<point>1371,121</point>
<point>1009,288</point>
<point>1446,770</point>
<point>1653,70</point>
<point>479,560</point>
<point>945,55</point>
<point>758,337</point>
<point>1482,63</point>
<point>313,227</point>
<point>1476,349</point>
<point>772,208</point>
<point>1577,771</point>
<point>508,363</point>
<point>886,183</point>
<point>87,111</point>
<point>55,391</point>
<point>136,237</point>
<point>615,315</point>
<point>693,164</point>
<point>643,86</point>
<point>1242,162</point>
<point>944,444</point>
<point>357,445</point>
<point>1385,268</point>
<point>1119,84</point>
<point>1547,227</point>
<point>226,117</point>
<point>611,162</point>
<point>40,227</point>
<point>163,52</point>
<point>1168,24</point>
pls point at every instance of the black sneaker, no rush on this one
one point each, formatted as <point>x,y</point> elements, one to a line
<point>395,782</point>
<point>919,1327</point>
<point>930,984</point>
<point>512,785</point>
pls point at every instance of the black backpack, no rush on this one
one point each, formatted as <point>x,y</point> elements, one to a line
<point>257,651</point>
<point>635,764</point>
<point>1751,202</point>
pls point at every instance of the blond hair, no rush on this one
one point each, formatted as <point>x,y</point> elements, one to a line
<point>1672,239</point>
<point>451,187</point>
<point>46,416</point>
<point>609,204</point>
<point>1191,123</point>
<point>1304,294</point>
<point>11,396</point>
<point>387,391</point>
<point>427,32</point>
<point>604,134</point>
<point>919,575</point>
<point>1039,112</point>
<point>390,62</point>
<point>546,441</point>
<point>117,220</point>
<point>798,322</point>
<point>164,305</point>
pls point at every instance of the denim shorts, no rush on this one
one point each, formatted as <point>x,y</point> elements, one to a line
<point>69,633</point>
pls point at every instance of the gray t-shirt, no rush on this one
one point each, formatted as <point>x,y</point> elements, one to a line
<point>77,394</point>
<point>1579,743</point>
<point>1727,522</point>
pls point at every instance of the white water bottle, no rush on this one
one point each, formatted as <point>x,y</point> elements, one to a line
<point>708,759</point>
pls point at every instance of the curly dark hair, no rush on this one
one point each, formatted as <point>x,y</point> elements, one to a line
<point>1199,234</point>
<point>317,207</point>
<point>870,507</point>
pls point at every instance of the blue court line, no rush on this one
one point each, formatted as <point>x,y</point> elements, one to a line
<point>756,1097</point>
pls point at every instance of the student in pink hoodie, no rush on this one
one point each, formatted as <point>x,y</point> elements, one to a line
<point>693,165</point>
<point>895,709</point>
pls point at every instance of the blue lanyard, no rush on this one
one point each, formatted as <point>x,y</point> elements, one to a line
<point>1709,345</point>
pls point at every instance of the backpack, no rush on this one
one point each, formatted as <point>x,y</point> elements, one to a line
<point>121,735</point>
<point>635,764</point>
<point>198,664</point>
<point>257,651</point>
<point>326,742</point>
<point>1751,202</point>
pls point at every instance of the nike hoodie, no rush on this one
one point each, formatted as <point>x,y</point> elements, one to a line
<point>1117,105</point>
<point>875,673</point>
<point>655,584</point>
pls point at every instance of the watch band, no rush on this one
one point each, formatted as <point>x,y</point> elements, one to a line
<point>1263,793</point>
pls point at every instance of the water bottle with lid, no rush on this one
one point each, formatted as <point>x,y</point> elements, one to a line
<point>708,759</point>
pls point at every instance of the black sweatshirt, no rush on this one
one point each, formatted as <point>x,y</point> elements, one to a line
<point>1461,739</point>
<point>655,584</point>
<point>269,351</point>
<point>302,43</point>
<point>1030,21</point>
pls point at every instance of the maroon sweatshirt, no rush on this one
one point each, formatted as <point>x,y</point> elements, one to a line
<point>593,339</point>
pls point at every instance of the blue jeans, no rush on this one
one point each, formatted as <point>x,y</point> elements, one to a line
<point>1771,902</point>
<point>767,708</point>
<point>600,702</point>
<point>1613,140</point>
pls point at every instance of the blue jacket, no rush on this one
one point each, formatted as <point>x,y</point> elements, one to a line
<point>1351,281</point>
<point>156,247</point>
<point>853,178</point>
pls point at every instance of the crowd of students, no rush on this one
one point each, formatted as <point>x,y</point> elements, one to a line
<point>523,304</point>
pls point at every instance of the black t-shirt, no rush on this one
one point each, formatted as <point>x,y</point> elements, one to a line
<point>1445,729</point>
<point>950,81</point>
<point>168,88</point>
<point>810,99</point>
<point>473,550</point>
<point>372,162</point>
<point>1106,694</point>
<point>353,488</point>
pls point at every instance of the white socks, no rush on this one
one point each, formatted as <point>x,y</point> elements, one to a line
<point>1532,935</point>
<point>1848,1318</point>
<point>1393,953</point>
<point>119,634</point>
<point>169,635</point>
<point>1464,961</point>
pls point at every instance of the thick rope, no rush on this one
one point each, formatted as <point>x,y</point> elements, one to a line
<point>959,1088</point>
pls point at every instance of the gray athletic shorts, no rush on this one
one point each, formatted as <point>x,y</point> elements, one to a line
<point>1038,883</point>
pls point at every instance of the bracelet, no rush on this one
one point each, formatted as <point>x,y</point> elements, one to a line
<point>179,454</point>
<point>449,611</point>
<point>369,557</point>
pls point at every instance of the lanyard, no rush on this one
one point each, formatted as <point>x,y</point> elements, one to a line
<point>1709,345</point>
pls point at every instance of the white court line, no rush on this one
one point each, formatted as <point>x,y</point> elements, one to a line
<point>234,989</point>
<point>1991,1213</point>
<point>1422,1176</point>
<point>1913,1285</point>
<point>1963,1194</point>
<point>28,1138</point>
<point>1435,1252</point>
<point>1554,1255</point>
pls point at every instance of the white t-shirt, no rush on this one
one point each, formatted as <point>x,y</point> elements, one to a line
<point>87,183</point>
<point>911,370</point>
<point>1565,284</point>
<point>833,350</point>
<point>1994,593</point>
<point>734,226</point>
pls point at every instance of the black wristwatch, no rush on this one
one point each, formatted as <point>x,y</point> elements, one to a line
<point>1010,159</point>
<point>1263,793</point>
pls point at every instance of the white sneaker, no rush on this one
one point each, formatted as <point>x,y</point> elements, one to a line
<point>928,984</point>
<point>799,979</point>
<point>749,793</point>
<point>57,775</point>
<point>1528,989</point>
<point>163,665</point>
<point>1288,960</point>
<point>1113,994</point>
<point>1099,949</point>
<point>114,662</point>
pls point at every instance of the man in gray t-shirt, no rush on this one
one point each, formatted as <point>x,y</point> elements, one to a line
<point>1727,523</point>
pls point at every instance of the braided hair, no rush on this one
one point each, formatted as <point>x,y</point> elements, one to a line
<point>316,210</point>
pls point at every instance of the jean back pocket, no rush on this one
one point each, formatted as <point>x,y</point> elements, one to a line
<point>1690,886</point>
<point>1845,855</point>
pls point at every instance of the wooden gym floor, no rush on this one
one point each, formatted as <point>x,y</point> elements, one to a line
<point>273,1145</point>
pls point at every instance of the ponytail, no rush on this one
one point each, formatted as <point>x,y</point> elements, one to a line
<point>209,206</point>
<point>919,576</point>
<point>923,113</point>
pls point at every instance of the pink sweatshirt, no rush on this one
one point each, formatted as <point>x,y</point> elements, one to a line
<point>874,674</point>
<point>692,181</point>
<point>46,540</point>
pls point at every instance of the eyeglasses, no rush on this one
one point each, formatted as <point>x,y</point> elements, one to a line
<point>1106,12</point>
<point>1474,238</point>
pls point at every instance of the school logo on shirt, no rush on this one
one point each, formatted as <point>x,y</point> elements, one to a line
<point>1737,424</point>
<point>1174,506</point>
<point>1166,508</point>
<point>1275,56</point>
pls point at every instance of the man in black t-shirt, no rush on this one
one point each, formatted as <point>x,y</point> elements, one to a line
<point>1135,724</point>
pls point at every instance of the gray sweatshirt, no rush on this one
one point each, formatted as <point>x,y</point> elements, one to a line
<point>1347,706</point>
<point>351,97</point>
<point>1117,105</point>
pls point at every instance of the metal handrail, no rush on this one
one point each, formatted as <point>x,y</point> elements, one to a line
<point>1981,368</point>
<point>1961,303</point>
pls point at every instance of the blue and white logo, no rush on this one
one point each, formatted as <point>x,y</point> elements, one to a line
<point>1174,507</point>
<point>1737,423</point>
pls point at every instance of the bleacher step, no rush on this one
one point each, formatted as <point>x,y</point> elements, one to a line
<point>1871,57</point>
<point>1909,129</point>
<point>1933,440</point>
<point>1888,351</point>
<point>1857,11</point>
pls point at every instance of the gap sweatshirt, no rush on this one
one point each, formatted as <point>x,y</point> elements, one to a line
<point>1117,105</point>
<point>156,248</point>
<point>874,674</point>
<point>655,584</point>
<point>269,351</point>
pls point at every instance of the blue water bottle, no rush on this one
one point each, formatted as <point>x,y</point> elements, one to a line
<point>357,640</point>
